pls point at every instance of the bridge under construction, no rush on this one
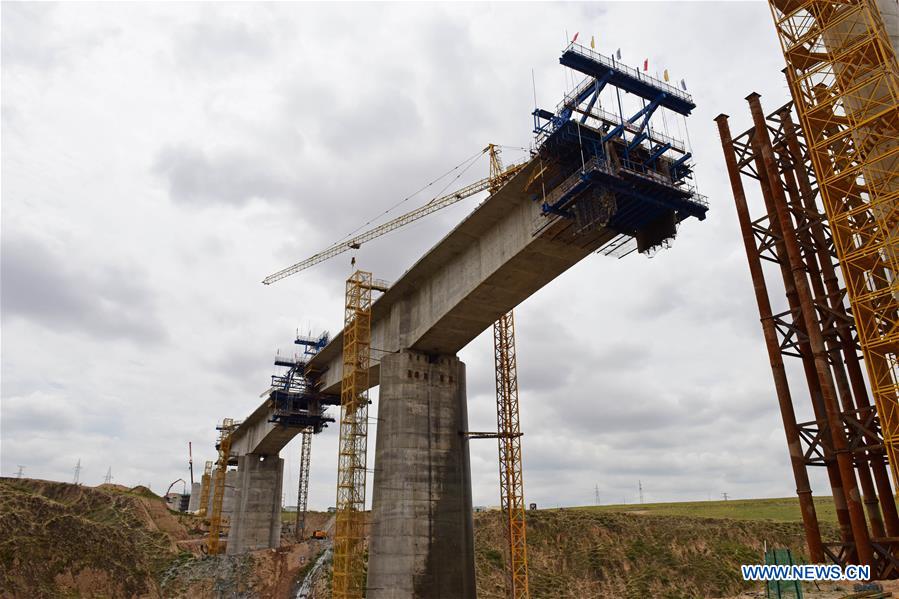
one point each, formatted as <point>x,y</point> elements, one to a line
<point>605,175</point>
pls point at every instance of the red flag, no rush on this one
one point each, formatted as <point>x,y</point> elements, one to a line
<point>574,39</point>
<point>646,64</point>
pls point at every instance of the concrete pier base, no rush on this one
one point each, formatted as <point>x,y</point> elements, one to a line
<point>422,542</point>
<point>256,517</point>
<point>194,504</point>
<point>227,498</point>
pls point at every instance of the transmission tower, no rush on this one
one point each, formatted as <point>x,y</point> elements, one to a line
<point>108,478</point>
<point>640,489</point>
<point>596,494</point>
<point>77,471</point>
<point>20,472</point>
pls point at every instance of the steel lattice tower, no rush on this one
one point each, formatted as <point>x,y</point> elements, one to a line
<point>303,491</point>
<point>205,484</point>
<point>218,493</point>
<point>844,79</point>
<point>510,471</point>
<point>508,433</point>
<point>349,538</point>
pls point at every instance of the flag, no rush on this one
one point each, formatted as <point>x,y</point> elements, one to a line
<point>645,64</point>
<point>683,85</point>
<point>592,43</point>
<point>574,39</point>
<point>618,53</point>
<point>666,74</point>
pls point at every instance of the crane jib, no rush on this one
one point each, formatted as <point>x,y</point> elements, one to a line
<point>357,241</point>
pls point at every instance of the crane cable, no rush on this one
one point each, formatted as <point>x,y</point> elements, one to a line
<point>467,163</point>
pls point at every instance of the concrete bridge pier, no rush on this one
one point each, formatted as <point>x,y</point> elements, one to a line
<point>422,541</point>
<point>256,515</point>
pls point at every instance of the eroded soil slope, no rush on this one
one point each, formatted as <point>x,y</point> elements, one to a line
<point>58,540</point>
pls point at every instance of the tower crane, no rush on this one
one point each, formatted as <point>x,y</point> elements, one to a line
<point>348,581</point>
<point>400,221</point>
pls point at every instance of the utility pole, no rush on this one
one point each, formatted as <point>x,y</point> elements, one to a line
<point>640,489</point>
<point>21,470</point>
<point>77,470</point>
<point>190,461</point>
<point>108,478</point>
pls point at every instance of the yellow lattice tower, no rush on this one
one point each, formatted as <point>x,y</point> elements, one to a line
<point>349,534</point>
<point>218,492</point>
<point>844,79</point>
<point>303,487</point>
<point>510,471</point>
<point>205,483</point>
<point>508,428</point>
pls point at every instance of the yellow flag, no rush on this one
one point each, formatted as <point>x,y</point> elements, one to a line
<point>666,74</point>
<point>592,43</point>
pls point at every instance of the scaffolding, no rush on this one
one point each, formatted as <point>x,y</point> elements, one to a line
<point>205,484</point>
<point>303,490</point>
<point>508,434</point>
<point>218,493</point>
<point>817,329</point>
<point>349,538</point>
<point>844,79</point>
<point>510,469</point>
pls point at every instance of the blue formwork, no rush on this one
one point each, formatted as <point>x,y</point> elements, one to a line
<point>649,173</point>
<point>294,394</point>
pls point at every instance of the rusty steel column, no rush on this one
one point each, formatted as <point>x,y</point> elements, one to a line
<point>816,396</point>
<point>781,385</point>
<point>819,295</point>
<point>850,352</point>
<point>863,547</point>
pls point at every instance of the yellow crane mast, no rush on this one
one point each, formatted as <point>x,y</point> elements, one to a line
<point>508,429</point>
<point>205,484</point>
<point>303,491</point>
<point>218,493</point>
<point>349,532</point>
<point>844,79</point>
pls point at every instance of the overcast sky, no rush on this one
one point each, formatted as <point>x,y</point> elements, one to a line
<point>159,160</point>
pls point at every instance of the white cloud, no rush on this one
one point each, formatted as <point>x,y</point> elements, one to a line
<point>159,160</point>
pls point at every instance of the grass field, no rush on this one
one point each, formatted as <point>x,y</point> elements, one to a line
<point>784,509</point>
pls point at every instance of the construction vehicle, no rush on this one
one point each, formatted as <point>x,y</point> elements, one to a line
<point>319,534</point>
